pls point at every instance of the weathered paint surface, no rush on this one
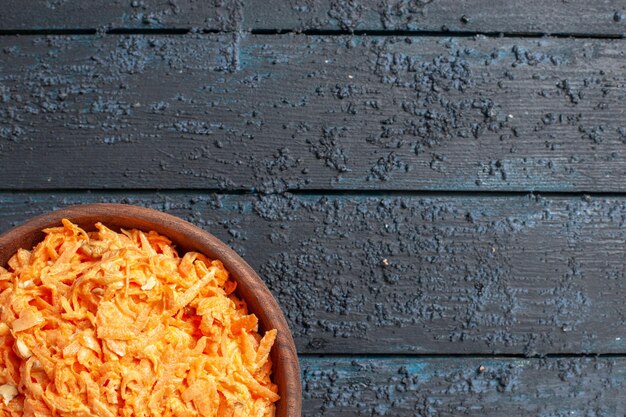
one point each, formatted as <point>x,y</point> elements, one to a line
<point>581,17</point>
<point>104,15</point>
<point>209,97</point>
<point>450,387</point>
<point>225,111</point>
<point>404,274</point>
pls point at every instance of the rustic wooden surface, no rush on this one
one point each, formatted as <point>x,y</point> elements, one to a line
<point>472,275</point>
<point>453,387</point>
<point>104,15</point>
<point>606,17</point>
<point>572,17</point>
<point>377,163</point>
<point>314,112</point>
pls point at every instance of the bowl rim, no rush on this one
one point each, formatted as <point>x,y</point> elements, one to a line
<point>187,236</point>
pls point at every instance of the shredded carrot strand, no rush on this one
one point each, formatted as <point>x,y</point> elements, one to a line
<point>117,324</point>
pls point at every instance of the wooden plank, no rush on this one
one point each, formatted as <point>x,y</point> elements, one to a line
<point>450,387</point>
<point>115,14</point>
<point>298,112</point>
<point>403,274</point>
<point>606,17</point>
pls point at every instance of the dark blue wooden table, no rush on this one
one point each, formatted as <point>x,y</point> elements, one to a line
<point>434,190</point>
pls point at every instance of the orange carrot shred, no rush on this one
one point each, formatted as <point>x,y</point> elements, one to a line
<point>118,324</point>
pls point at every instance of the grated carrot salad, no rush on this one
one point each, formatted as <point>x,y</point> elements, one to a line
<point>117,324</point>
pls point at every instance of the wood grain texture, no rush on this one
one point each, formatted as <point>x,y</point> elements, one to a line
<point>450,387</point>
<point>116,14</point>
<point>298,112</point>
<point>402,274</point>
<point>606,17</point>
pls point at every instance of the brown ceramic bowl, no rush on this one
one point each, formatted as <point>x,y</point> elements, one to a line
<point>187,237</point>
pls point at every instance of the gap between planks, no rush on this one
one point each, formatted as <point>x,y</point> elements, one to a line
<point>417,356</point>
<point>322,192</point>
<point>310,32</point>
